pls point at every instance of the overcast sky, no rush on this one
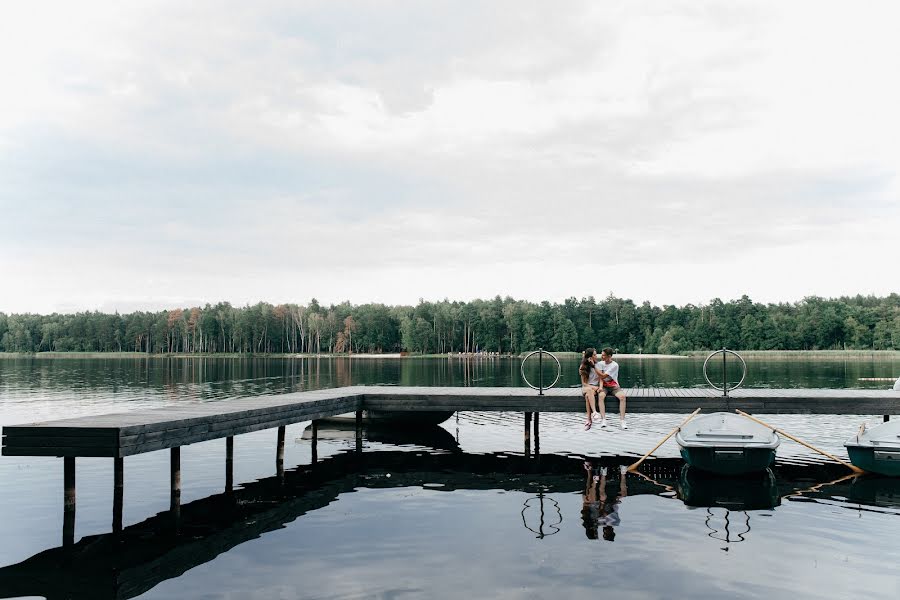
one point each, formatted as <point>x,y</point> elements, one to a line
<point>175,153</point>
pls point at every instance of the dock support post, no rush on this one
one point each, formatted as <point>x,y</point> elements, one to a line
<point>527,434</point>
<point>315,442</point>
<point>359,430</point>
<point>537,433</point>
<point>229,464</point>
<point>118,493</point>
<point>68,500</point>
<point>279,454</point>
<point>887,418</point>
<point>175,486</point>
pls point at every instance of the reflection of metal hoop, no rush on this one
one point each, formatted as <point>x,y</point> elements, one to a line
<point>542,387</point>
<point>540,530</point>
<point>726,534</point>
<point>725,389</point>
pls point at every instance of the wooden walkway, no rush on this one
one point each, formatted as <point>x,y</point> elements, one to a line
<point>119,435</point>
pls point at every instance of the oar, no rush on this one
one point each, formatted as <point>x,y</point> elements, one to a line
<point>853,468</point>
<point>671,433</point>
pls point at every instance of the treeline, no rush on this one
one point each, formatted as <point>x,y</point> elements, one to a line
<point>498,325</point>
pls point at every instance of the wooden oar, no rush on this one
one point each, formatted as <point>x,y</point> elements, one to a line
<point>853,468</point>
<point>671,433</point>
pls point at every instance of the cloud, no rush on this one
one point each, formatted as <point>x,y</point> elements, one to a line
<point>282,151</point>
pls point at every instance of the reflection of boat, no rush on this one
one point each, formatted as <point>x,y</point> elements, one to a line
<point>728,444</point>
<point>873,490</point>
<point>877,449</point>
<point>400,417</point>
<point>431,436</point>
<point>755,491</point>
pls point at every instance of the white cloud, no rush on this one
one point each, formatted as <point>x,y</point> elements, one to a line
<point>281,152</point>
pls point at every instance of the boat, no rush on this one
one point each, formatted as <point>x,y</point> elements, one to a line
<point>877,449</point>
<point>727,444</point>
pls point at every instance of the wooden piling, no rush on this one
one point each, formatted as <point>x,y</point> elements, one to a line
<point>229,464</point>
<point>537,433</point>
<point>118,493</point>
<point>527,434</point>
<point>279,454</point>
<point>68,501</point>
<point>315,442</point>
<point>359,413</point>
<point>175,484</point>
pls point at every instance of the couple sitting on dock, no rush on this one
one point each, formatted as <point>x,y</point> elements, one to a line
<point>599,378</point>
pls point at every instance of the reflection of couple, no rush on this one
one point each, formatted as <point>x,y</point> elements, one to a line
<point>597,509</point>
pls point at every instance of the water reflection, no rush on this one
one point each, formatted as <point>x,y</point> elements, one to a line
<point>544,505</point>
<point>756,491</point>
<point>600,510</point>
<point>127,563</point>
<point>728,500</point>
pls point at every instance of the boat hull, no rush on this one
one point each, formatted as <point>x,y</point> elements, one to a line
<point>725,460</point>
<point>884,461</point>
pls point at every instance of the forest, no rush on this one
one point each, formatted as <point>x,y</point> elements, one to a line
<point>503,325</point>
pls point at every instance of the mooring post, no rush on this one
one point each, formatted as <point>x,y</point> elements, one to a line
<point>279,454</point>
<point>68,500</point>
<point>315,441</point>
<point>229,464</point>
<point>118,492</point>
<point>359,430</point>
<point>887,418</point>
<point>537,433</point>
<point>175,486</point>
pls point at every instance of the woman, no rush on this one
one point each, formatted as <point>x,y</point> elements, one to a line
<point>590,382</point>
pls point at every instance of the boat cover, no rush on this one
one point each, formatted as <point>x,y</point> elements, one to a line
<point>884,435</point>
<point>718,430</point>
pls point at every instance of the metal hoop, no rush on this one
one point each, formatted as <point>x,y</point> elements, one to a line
<point>558,370</point>
<point>724,388</point>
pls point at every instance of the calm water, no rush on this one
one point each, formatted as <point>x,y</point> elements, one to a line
<point>460,510</point>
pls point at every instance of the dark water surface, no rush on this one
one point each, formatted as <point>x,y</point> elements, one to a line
<point>465,509</point>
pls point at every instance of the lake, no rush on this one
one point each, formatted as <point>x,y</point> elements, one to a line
<point>457,510</point>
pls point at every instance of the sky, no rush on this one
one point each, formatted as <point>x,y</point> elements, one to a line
<point>167,154</point>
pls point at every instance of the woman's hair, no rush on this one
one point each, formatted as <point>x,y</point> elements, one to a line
<point>586,366</point>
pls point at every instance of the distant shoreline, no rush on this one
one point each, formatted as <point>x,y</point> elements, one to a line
<point>362,355</point>
<point>784,354</point>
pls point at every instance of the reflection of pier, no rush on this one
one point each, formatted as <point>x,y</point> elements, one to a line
<point>128,562</point>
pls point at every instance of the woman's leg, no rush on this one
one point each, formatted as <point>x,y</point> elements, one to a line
<point>588,398</point>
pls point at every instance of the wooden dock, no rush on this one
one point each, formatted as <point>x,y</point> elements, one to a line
<point>126,434</point>
<point>120,435</point>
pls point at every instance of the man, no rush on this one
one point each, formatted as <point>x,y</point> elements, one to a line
<point>609,377</point>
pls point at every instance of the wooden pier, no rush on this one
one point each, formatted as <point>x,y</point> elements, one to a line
<point>126,434</point>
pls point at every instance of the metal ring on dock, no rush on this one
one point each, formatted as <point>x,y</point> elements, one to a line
<point>725,389</point>
<point>558,370</point>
